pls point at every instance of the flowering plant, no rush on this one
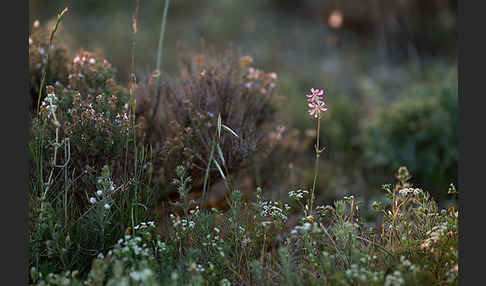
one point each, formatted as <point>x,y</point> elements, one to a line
<point>316,103</point>
<point>317,107</point>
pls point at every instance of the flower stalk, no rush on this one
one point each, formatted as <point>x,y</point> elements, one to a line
<point>317,106</point>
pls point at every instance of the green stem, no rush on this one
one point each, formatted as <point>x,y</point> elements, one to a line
<point>59,18</point>
<point>159,59</point>
<point>161,38</point>
<point>44,73</point>
<point>316,165</point>
<point>206,175</point>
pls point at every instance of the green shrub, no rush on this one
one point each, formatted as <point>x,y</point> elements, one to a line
<point>89,115</point>
<point>419,131</point>
<point>82,129</point>
<point>341,131</point>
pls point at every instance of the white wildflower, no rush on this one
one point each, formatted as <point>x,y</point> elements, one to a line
<point>224,282</point>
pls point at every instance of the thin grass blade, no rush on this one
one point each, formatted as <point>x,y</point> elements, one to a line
<point>229,130</point>
<point>219,169</point>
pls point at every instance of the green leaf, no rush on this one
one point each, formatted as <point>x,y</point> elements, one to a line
<point>219,169</point>
<point>221,155</point>
<point>229,130</point>
<point>219,125</point>
<point>206,175</point>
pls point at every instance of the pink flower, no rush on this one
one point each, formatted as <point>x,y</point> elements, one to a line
<point>316,108</point>
<point>315,96</point>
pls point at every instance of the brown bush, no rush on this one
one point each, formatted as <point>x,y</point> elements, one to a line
<point>181,114</point>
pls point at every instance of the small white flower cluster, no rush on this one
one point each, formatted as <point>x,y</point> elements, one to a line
<point>368,259</point>
<point>132,247</point>
<point>298,195</point>
<point>394,279</point>
<point>109,183</point>
<point>224,282</point>
<point>122,120</point>
<point>103,195</point>
<point>196,267</point>
<point>181,224</point>
<point>50,101</point>
<point>78,75</point>
<point>409,191</point>
<point>408,265</point>
<point>145,226</point>
<point>349,198</point>
<point>242,232</point>
<point>253,73</point>
<point>187,223</point>
<point>306,228</point>
<point>142,275</point>
<point>213,240</point>
<point>162,247</point>
<point>81,60</point>
<point>99,194</point>
<point>356,273</point>
<point>436,233</point>
<point>273,209</point>
<point>64,278</point>
<point>119,117</point>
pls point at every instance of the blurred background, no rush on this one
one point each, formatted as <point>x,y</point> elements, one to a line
<point>389,69</point>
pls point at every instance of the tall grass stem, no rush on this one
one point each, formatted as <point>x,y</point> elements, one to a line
<point>316,166</point>
<point>44,73</point>
<point>161,38</point>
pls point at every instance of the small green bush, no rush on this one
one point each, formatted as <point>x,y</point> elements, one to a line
<point>341,132</point>
<point>419,131</point>
<point>89,114</point>
<point>82,129</point>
